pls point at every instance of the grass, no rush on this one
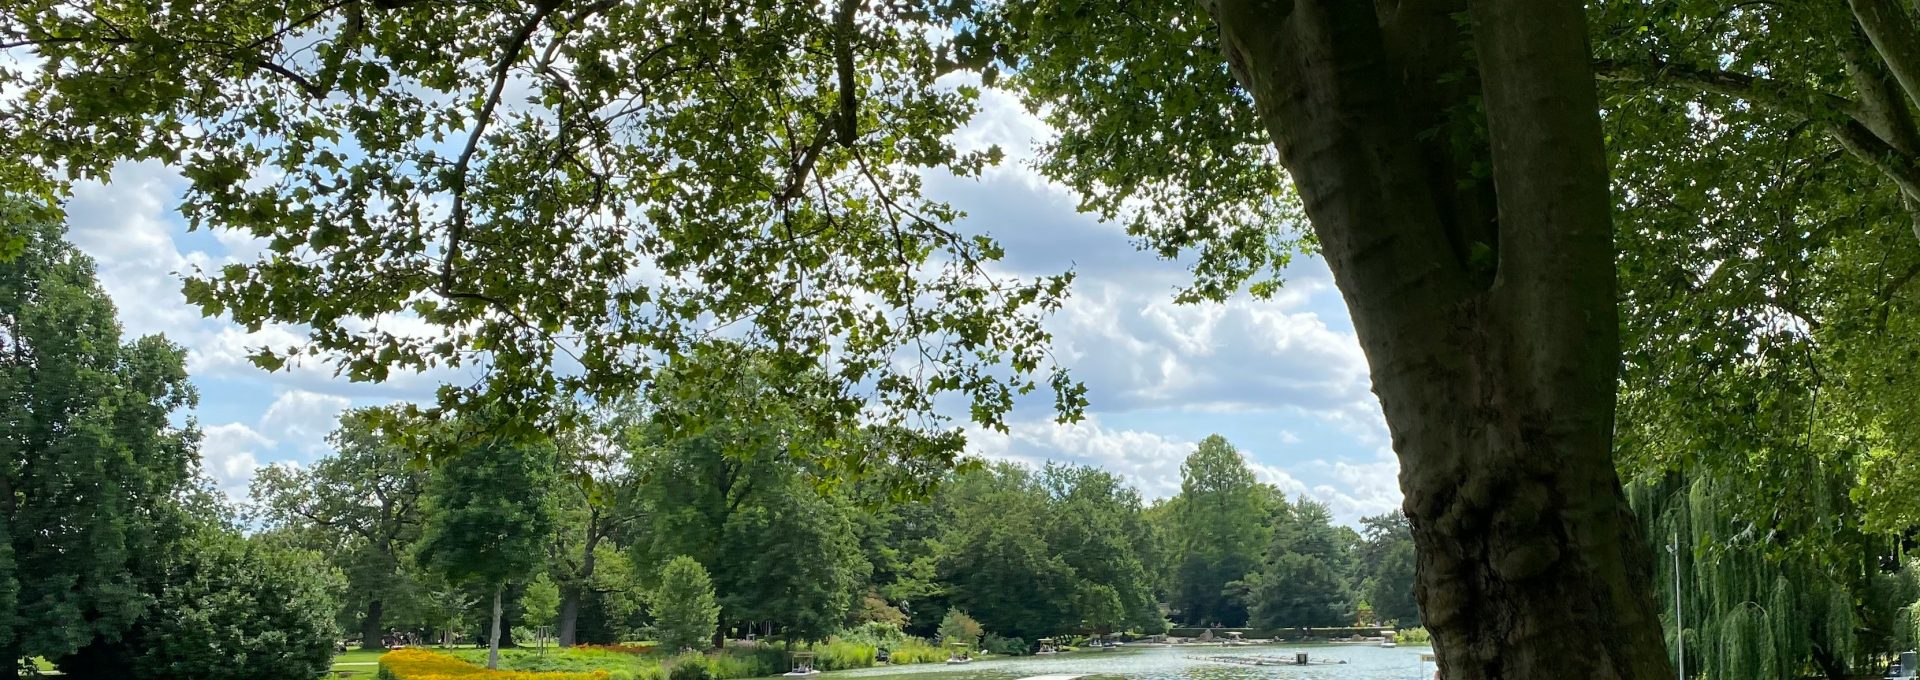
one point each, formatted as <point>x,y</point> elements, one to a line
<point>355,664</point>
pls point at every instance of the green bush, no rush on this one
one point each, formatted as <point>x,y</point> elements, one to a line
<point>995,644</point>
<point>747,662</point>
<point>1414,636</point>
<point>230,609</point>
<point>876,633</point>
<point>841,655</point>
<point>958,627</point>
<point>916,650</point>
<point>688,666</point>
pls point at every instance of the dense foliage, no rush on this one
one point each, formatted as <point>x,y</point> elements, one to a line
<point>118,560</point>
<point>684,611</point>
<point>233,609</point>
<point>91,462</point>
<point>487,515</point>
<point>361,506</point>
<point>1766,192</point>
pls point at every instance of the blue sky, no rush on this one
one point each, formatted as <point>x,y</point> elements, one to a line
<point>1283,379</point>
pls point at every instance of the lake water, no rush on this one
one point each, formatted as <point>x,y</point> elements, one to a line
<point>1186,662</point>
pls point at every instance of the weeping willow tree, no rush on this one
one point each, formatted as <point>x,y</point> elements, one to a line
<point>1765,599</point>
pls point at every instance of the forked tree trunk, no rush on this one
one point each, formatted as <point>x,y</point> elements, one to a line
<point>370,629</point>
<point>1485,305</point>
<point>493,632</point>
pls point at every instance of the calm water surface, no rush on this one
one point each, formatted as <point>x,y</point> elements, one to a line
<point>1364,662</point>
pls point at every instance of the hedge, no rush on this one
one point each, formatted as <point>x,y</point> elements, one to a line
<point>420,664</point>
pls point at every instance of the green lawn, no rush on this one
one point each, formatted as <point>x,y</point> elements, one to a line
<point>355,663</point>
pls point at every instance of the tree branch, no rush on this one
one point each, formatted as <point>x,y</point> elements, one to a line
<point>1894,37</point>
<point>1883,108</point>
<point>1839,115</point>
<point>458,231</point>
<point>1780,96</point>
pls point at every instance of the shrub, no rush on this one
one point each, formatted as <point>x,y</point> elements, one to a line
<point>229,609</point>
<point>747,661</point>
<point>995,644</point>
<point>1413,636</point>
<point>958,627</point>
<point>916,650</point>
<point>875,633</point>
<point>688,667</point>
<point>841,655</point>
<point>635,648</point>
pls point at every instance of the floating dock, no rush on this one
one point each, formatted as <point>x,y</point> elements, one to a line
<point>1300,659</point>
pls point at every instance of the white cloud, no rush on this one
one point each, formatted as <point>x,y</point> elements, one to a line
<point>300,420</point>
<point>127,228</point>
<point>230,453</point>
<point>1369,488</point>
<point>1149,461</point>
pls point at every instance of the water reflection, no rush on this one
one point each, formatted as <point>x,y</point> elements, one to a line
<point>1364,662</point>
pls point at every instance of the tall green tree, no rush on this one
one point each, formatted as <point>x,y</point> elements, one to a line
<point>1448,155</point>
<point>1302,580</point>
<point>1385,567</point>
<point>1094,525</point>
<point>91,461</point>
<point>684,610</point>
<point>488,515</point>
<point>594,503</point>
<point>361,504</point>
<point>1218,529</point>
<point>997,565</point>
<point>734,462</point>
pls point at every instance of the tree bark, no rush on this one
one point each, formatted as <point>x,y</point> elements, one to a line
<point>10,656</point>
<point>493,633</point>
<point>370,629</point>
<point>1830,667</point>
<point>1894,37</point>
<point>572,591</point>
<point>569,614</point>
<point>1494,350</point>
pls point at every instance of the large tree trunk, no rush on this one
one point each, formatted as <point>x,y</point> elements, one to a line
<point>569,614</point>
<point>10,656</point>
<point>371,637</point>
<point>1485,306</point>
<point>493,632</point>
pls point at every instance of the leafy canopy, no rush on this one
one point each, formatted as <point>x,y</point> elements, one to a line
<point>567,191</point>
<point>91,463</point>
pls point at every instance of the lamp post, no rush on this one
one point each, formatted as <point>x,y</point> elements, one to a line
<point>1679,623</point>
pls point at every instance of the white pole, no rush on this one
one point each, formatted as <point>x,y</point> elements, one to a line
<point>1679,622</point>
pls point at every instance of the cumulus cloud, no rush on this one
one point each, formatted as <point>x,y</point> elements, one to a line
<point>230,453</point>
<point>300,420</point>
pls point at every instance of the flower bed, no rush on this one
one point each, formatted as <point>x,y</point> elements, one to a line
<point>420,664</point>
